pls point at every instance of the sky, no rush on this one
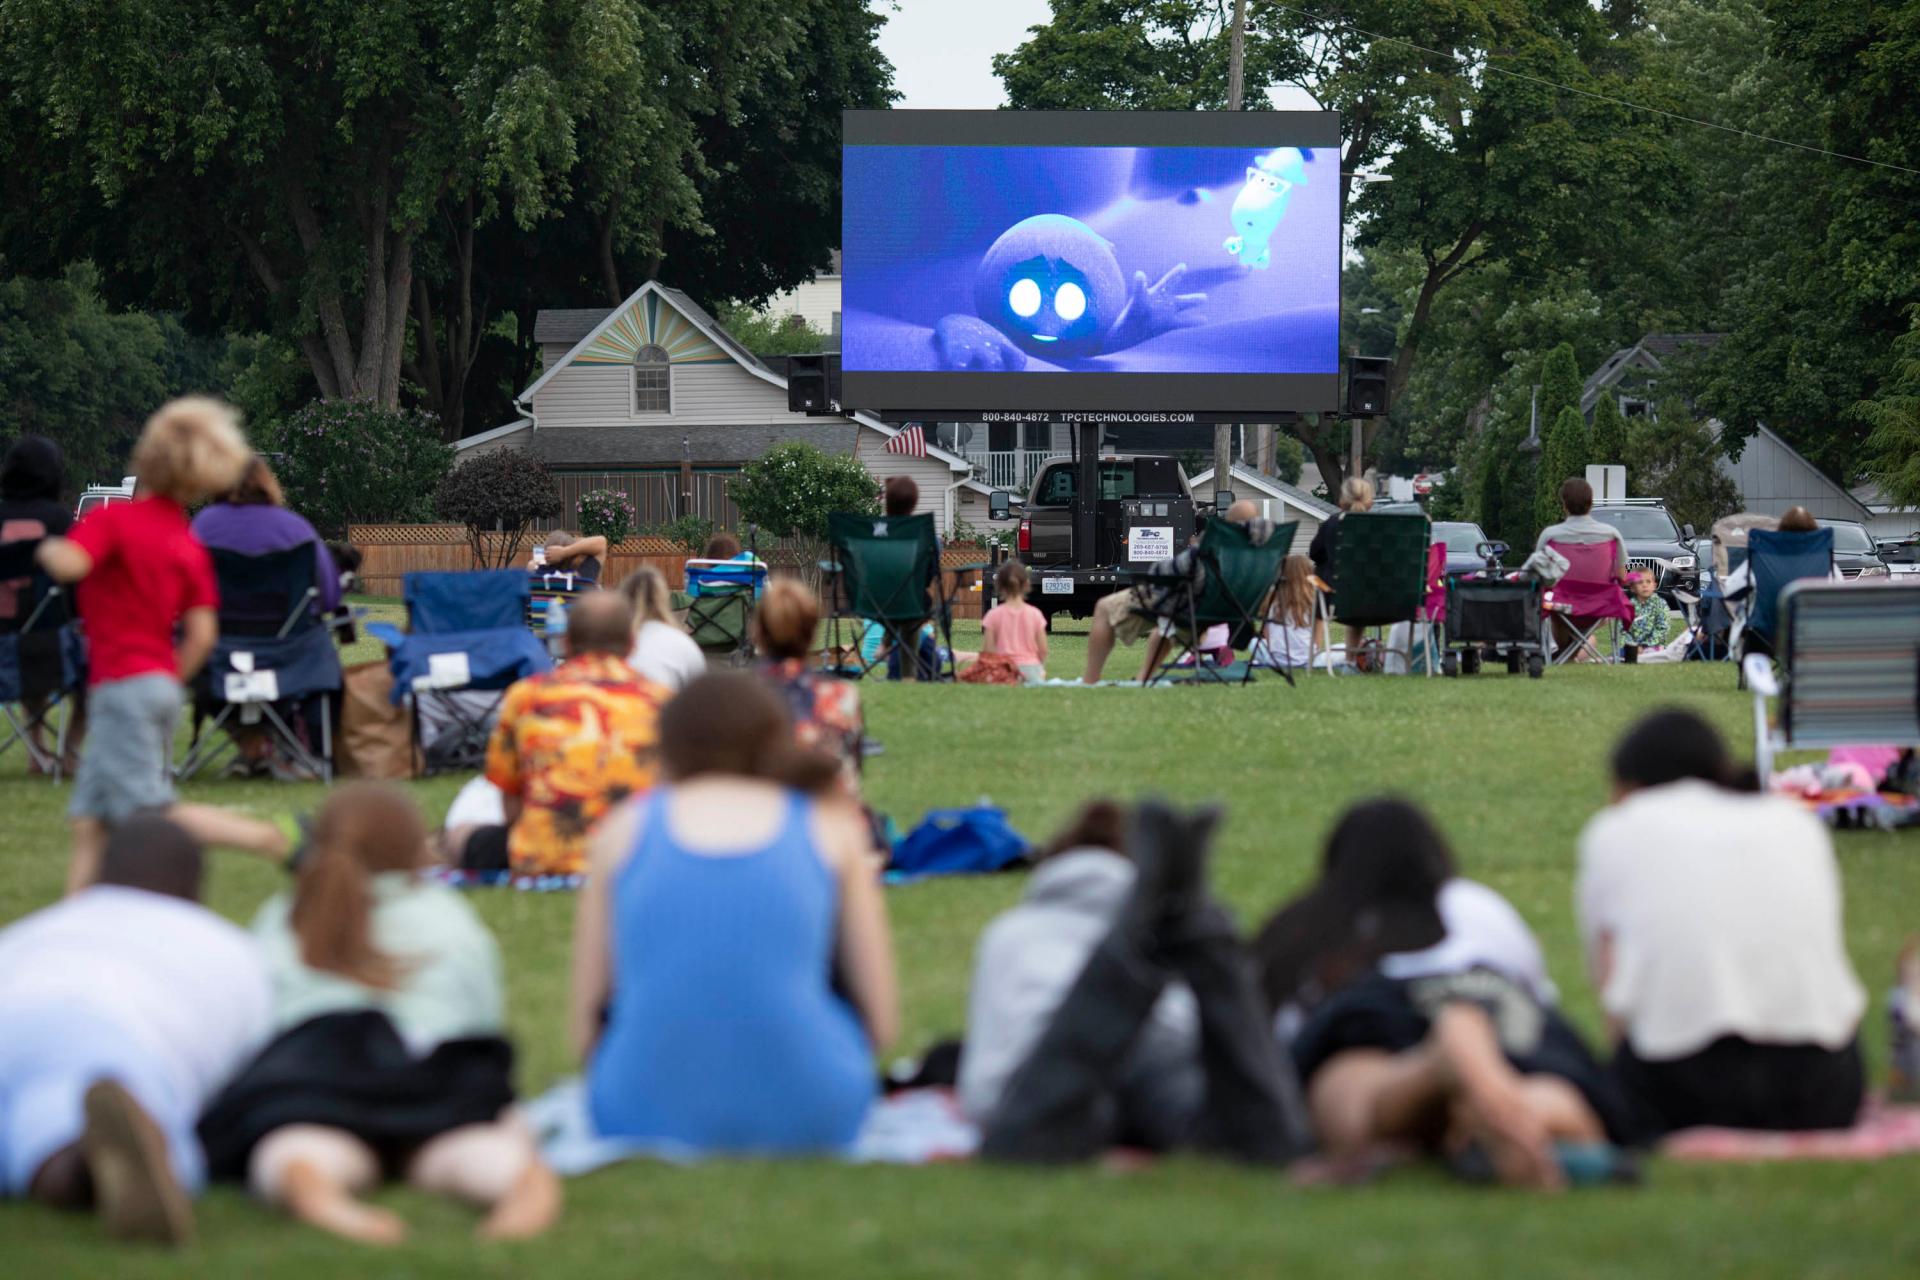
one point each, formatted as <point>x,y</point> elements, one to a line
<point>942,50</point>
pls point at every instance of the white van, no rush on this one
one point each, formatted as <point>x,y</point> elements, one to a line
<point>99,495</point>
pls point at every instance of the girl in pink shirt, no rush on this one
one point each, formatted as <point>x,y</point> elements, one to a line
<point>1015,628</point>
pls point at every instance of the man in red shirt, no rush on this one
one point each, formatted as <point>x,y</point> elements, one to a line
<point>141,574</point>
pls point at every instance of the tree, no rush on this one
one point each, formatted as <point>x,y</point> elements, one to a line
<point>1563,454</point>
<point>501,491</point>
<point>346,462</point>
<point>1675,457</point>
<point>1560,382</point>
<point>77,372</point>
<point>768,335</point>
<point>1607,442</point>
<point>1289,457</point>
<point>791,490</point>
<point>1893,450</point>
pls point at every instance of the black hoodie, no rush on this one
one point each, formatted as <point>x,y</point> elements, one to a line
<point>31,476</point>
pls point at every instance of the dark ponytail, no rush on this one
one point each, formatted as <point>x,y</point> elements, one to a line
<point>732,723</point>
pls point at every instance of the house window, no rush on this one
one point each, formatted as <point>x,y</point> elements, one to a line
<point>652,381</point>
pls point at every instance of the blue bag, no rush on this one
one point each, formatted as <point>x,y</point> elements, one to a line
<point>958,842</point>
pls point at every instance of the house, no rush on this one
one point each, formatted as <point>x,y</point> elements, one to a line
<point>817,301</point>
<point>1280,501</point>
<point>1884,520</point>
<point>654,398</point>
<point>1771,474</point>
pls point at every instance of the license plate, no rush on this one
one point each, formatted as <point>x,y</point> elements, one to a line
<point>1056,586</point>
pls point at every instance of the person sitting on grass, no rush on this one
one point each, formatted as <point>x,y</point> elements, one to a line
<point>1459,1054</point>
<point>32,479</point>
<point>1013,628</point>
<point>1647,634</point>
<point>143,578</point>
<point>570,745</point>
<point>725,914</point>
<point>389,1061</point>
<point>663,652</point>
<point>122,1010</point>
<point>823,708</point>
<point>582,557</point>
<point>1289,638</point>
<point>1081,1029</point>
<point>1718,949</point>
<point>1151,609</point>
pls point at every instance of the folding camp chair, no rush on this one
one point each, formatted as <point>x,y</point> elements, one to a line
<point>42,660</point>
<point>466,635</point>
<point>275,658</point>
<point>720,599</point>
<point>1849,670</point>
<point>1775,559</point>
<point>545,589</point>
<point>1588,598</point>
<point>886,569</point>
<point>1380,565</point>
<point>1237,582</point>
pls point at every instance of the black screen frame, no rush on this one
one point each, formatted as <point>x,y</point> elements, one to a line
<point>1074,396</point>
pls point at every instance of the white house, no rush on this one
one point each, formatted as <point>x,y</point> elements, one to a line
<point>653,397</point>
<point>817,301</point>
<point>1280,501</point>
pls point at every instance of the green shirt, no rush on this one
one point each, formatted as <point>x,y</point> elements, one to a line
<point>450,981</point>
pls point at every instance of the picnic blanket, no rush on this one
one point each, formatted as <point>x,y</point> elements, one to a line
<point>913,1126</point>
<point>1881,1131</point>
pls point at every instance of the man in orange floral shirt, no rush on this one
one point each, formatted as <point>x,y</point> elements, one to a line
<point>571,744</point>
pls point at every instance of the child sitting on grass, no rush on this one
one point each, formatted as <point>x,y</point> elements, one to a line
<point>1290,626</point>
<point>1649,627</point>
<point>1015,629</point>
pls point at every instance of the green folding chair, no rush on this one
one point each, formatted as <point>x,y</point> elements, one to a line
<point>1380,572</point>
<point>886,569</point>
<point>1237,583</point>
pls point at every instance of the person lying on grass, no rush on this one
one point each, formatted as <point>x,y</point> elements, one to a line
<point>122,1010</point>
<point>1460,1056</point>
<point>389,1063</point>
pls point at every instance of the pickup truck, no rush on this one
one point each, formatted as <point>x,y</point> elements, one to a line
<point>1143,513</point>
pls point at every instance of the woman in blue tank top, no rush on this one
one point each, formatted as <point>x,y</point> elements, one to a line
<point>720,909</point>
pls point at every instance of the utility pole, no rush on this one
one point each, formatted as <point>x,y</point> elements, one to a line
<point>1236,74</point>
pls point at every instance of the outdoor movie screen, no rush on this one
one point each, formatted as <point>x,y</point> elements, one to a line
<point>1159,266</point>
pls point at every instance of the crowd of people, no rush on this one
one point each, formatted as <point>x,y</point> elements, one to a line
<point>732,972</point>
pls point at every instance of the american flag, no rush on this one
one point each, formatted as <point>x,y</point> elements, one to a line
<point>911,441</point>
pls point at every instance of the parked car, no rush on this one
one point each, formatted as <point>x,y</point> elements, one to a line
<point>1654,544</point>
<point>1901,556</point>
<point>1854,551</point>
<point>1461,537</point>
<point>99,495</point>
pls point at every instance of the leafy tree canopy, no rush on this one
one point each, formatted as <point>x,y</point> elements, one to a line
<point>344,462</point>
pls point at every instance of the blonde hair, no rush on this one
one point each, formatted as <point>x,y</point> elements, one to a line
<point>1293,601</point>
<point>1356,491</point>
<point>646,592</point>
<point>191,449</point>
<point>785,619</point>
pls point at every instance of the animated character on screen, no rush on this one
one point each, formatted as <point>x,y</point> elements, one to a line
<point>1261,204</point>
<point>1052,285</point>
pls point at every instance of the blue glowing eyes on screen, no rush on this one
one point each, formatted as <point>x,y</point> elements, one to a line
<point>1071,301</point>
<point>1024,298</point>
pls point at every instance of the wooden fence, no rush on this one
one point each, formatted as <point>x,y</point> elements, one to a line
<point>389,552</point>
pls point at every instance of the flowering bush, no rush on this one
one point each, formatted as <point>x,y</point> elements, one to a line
<point>351,461</point>
<point>791,490</point>
<point>606,513</point>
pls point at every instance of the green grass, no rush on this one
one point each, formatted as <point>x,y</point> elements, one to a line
<point>1511,767</point>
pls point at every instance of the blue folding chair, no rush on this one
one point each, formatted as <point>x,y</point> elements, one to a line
<point>274,665</point>
<point>466,633</point>
<point>1775,559</point>
<point>43,661</point>
<point>720,598</point>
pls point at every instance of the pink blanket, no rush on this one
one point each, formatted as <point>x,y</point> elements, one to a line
<point>1882,1131</point>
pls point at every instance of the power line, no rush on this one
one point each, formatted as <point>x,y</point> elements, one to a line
<point>1601,97</point>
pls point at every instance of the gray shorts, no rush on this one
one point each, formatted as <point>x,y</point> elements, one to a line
<point>127,764</point>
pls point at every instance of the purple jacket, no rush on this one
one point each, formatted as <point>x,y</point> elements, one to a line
<point>256,529</point>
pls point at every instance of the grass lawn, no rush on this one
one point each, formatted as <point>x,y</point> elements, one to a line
<point>1511,767</point>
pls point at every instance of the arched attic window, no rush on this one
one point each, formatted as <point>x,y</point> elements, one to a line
<point>652,380</point>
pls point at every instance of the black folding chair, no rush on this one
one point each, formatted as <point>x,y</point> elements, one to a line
<point>42,659</point>
<point>886,569</point>
<point>275,659</point>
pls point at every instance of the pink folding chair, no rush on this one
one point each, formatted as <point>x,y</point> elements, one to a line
<point>1588,596</point>
<point>1433,609</point>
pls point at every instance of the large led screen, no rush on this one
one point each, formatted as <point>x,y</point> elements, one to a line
<point>1138,263</point>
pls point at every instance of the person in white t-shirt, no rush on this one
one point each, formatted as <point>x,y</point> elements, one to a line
<point>663,652</point>
<point>1712,923</point>
<point>123,1009</point>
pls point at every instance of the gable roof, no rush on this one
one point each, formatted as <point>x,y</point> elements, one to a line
<point>1651,352</point>
<point>567,325</point>
<point>1814,477</point>
<point>620,330</point>
<point>1273,487</point>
